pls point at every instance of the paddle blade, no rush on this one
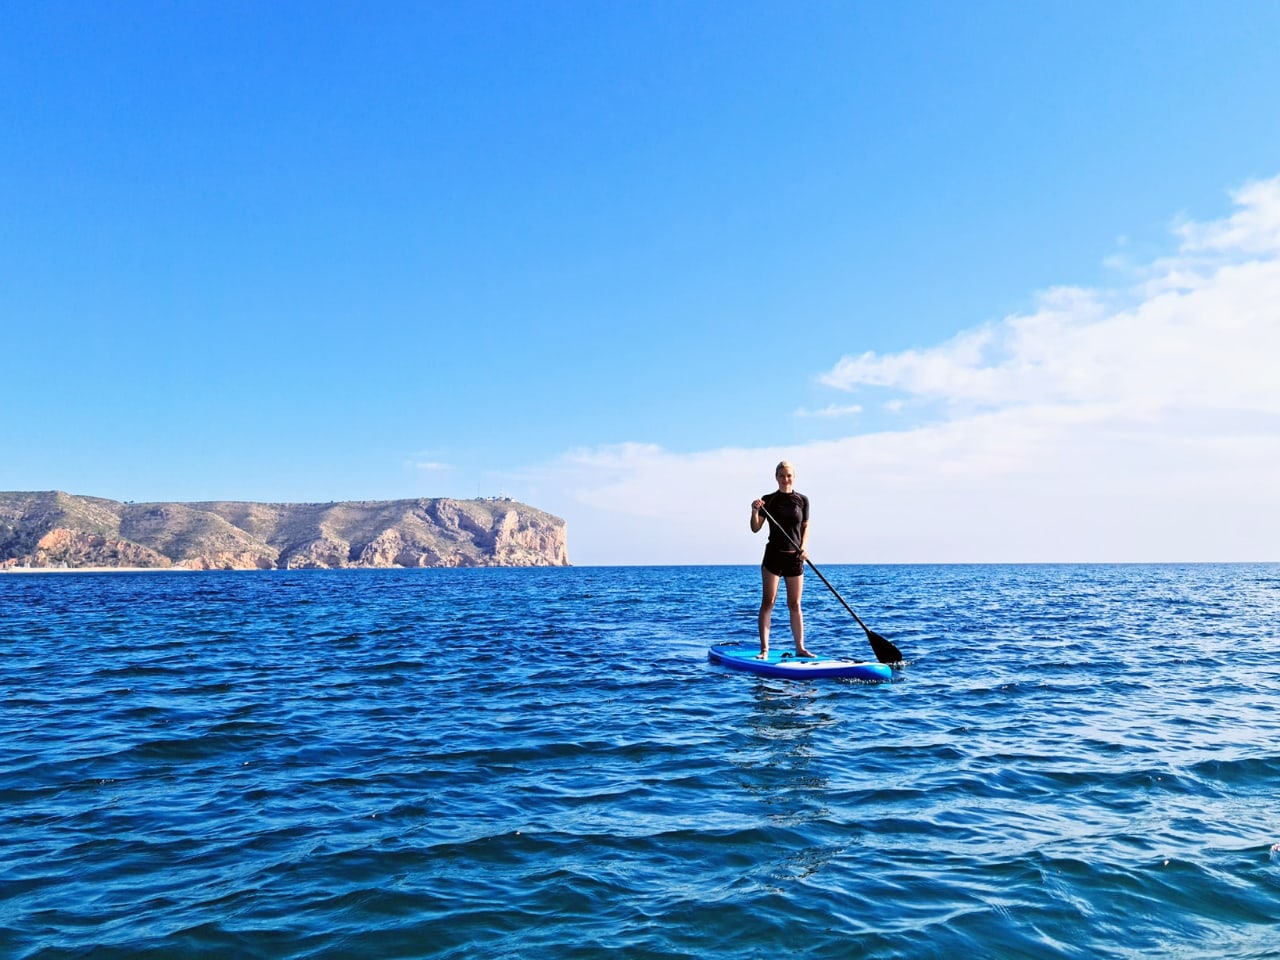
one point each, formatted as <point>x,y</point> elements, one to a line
<point>884,649</point>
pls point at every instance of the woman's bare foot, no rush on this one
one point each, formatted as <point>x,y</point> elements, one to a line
<point>806,652</point>
<point>762,655</point>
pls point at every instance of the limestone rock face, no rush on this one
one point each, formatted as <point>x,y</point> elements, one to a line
<point>322,553</point>
<point>223,560</point>
<point>61,547</point>
<point>516,542</point>
<point>55,529</point>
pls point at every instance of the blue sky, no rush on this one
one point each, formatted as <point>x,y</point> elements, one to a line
<point>616,259</point>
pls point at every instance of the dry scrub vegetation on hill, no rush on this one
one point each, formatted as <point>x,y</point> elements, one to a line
<point>55,529</point>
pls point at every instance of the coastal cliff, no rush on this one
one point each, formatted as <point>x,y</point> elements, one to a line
<point>59,530</point>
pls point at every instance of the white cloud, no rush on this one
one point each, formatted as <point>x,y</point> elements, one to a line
<point>1254,228</point>
<point>832,410</point>
<point>1122,424</point>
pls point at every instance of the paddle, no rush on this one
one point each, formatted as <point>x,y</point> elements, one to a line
<point>884,649</point>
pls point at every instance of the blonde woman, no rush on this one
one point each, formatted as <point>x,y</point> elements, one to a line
<point>787,513</point>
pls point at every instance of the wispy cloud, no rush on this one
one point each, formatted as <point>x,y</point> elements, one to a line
<point>832,411</point>
<point>1195,331</point>
<point>1253,228</point>
<point>1133,423</point>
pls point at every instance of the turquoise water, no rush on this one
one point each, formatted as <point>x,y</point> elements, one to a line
<point>1077,761</point>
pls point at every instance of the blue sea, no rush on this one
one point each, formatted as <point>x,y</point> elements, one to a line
<point>1075,761</point>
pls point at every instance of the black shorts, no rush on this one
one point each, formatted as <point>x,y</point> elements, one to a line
<point>782,563</point>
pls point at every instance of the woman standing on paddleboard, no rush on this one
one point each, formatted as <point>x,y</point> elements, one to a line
<point>787,514</point>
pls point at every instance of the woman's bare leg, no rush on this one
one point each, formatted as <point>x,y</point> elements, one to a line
<point>795,587</point>
<point>768,594</point>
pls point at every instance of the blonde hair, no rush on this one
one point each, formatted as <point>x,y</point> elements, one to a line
<point>783,465</point>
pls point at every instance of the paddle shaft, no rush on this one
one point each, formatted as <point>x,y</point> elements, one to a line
<point>885,651</point>
<point>812,567</point>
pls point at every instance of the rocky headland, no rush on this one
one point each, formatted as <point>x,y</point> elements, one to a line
<point>55,530</point>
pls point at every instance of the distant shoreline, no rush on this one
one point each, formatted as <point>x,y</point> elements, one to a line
<point>97,570</point>
<point>53,530</point>
<point>178,569</point>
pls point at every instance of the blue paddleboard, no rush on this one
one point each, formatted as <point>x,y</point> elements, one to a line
<point>784,663</point>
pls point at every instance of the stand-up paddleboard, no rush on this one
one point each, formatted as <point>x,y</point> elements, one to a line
<point>784,663</point>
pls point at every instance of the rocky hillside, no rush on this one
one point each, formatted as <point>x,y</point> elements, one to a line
<point>55,529</point>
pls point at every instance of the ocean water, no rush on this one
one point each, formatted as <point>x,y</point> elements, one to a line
<point>1076,761</point>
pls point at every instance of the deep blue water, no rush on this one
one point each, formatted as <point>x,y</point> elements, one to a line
<point>1077,761</point>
